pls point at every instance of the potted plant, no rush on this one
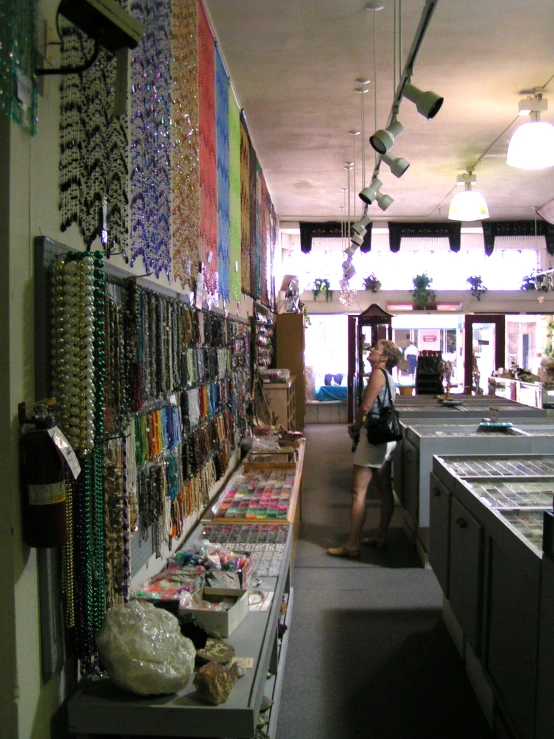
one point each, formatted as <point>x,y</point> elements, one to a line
<point>477,287</point>
<point>322,284</point>
<point>528,282</point>
<point>422,293</point>
<point>372,283</point>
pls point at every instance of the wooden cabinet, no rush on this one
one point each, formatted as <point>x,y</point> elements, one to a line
<point>281,400</point>
<point>290,345</point>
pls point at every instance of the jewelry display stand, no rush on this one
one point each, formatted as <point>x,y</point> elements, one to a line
<point>98,707</point>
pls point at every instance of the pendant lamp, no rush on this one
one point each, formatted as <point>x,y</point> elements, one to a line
<point>532,145</point>
<point>468,205</point>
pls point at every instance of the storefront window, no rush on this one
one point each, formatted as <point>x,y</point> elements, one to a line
<point>503,270</point>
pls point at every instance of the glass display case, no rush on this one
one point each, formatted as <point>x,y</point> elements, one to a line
<point>486,549</point>
<point>463,406</point>
<point>422,441</point>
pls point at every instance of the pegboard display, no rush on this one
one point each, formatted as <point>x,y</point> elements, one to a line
<point>162,406</point>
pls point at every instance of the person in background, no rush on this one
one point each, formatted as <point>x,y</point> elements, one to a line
<point>411,353</point>
<point>371,462</point>
<point>535,363</point>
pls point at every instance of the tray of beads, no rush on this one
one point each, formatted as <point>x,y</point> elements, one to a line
<point>512,493</point>
<point>256,495</point>
<point>285,459</point>
<point>500,466</point>
<point>265,541</point>
<point>169,585</point>
<point>528,524</point>
<point>214,557</point>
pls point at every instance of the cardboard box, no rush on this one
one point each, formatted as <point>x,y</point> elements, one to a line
<point>224,622</point>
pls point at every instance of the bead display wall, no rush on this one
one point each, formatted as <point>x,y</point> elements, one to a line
<point>162,184</point>
<point>151,393</point>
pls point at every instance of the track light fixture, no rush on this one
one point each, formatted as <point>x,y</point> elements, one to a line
<point>360,226</point>
<point>427,103</point>
<point>369,194</point>
<point>468,205</point>
<point>348,269</point>
<point>532,145</point>
<point>397,165</point>
<point>383,201</point>
<point>383,139</point>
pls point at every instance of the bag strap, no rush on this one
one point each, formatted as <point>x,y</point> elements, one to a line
<point>388,386</point>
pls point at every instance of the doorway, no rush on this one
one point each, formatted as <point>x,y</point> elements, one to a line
<point>484,350</point>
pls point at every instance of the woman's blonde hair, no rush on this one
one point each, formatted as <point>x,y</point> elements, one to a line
<point>391,352</point>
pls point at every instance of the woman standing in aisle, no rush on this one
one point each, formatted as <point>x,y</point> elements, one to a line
<point>371,461</point>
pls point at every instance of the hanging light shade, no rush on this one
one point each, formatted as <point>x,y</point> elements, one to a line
<point>532,144</point>
<point>368,194</point>
<point>383,201</point>
<point>397,165</point>
<point>468,205</point>
<point>427,103</point>
<point>348,269</point>
<point>383,139</point>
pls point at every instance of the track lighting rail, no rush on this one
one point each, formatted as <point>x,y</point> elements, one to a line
<point>408,70</point>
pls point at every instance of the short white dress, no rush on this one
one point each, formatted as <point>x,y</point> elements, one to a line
<point>366,454</point>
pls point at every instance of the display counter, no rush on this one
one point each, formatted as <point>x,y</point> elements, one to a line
<point>530,393</point>
<point>462,406</point>
<point>98,707</point>
<point>486,538</point>
<point>423,440</point>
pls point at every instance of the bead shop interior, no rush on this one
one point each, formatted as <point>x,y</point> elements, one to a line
<point>168,332</point>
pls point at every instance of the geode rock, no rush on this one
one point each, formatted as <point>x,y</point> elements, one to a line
<point>266,703</point>
<point>215,651</point>
<point>214,683</point>
<point>238,669</point>
<point>143,650</point>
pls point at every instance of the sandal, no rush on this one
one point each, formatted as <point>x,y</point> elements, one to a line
<point>371,541</point>
<point>343,552</point>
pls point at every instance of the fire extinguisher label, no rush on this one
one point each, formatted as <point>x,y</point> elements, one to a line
<point>66,449</point>
<point>47,494</point>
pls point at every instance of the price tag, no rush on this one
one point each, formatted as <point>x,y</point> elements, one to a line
<point>66,449</point>
<point>246,662</point>
<point>24,88</point>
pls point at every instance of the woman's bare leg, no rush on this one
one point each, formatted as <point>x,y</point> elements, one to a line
<point>361,477</point>
<point>383,480</point>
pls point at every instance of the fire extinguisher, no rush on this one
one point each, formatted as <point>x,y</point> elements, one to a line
<point>43,470</point>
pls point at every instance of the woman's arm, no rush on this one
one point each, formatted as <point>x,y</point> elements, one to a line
<point>376,382</point>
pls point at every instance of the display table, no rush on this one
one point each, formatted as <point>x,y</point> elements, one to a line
<point>255,479</point>
<point>468,406</point>
<point>331,392</point>
<point>486,535</point>
<point>98,707</point>
<point>529,393</point>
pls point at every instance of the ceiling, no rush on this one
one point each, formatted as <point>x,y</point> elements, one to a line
<point>293,68</point>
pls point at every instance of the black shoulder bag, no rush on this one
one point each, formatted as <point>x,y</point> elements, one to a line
<point>384,427</point>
